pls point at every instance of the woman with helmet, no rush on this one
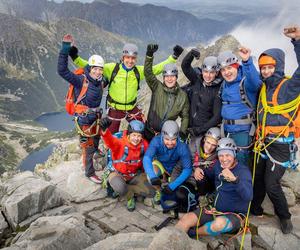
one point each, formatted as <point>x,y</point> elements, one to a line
<point>88,90</point>
<point>167,151</point>
<point>239,92</point>
<point>124,78</point>
<point>234,192</point>
<point>202,91</point>
<point>168,101</point>
<point>126,177</point>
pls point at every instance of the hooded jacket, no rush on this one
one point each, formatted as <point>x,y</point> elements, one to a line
<point>288,91</point>
<point>94,92</point>
<point>205,103</point>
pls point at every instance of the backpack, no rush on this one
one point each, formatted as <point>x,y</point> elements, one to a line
<point>72,105</point>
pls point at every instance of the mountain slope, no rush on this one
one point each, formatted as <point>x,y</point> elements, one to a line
<point>29,84</point>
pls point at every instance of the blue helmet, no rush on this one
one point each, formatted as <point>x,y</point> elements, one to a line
<point>135,126</point>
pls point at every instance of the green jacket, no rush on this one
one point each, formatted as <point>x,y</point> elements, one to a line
<point>166,103</point>
<point>124,88</point>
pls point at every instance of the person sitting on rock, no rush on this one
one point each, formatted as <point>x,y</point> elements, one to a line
<point>202,92</point>
<point>234,192</point>
<point>168,101</point>
<point>203,150</point>
<point>127,177</point>
<point>164,153</point>
<point>278,127</point>
<point>86,109</point>
<point>124,82</point>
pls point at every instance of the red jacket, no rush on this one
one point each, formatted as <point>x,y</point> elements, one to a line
<point>134,160</point>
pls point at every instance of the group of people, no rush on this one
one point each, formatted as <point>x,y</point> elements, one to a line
<point>228,111</point>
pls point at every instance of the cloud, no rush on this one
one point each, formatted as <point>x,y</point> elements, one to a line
<point>267,33</point>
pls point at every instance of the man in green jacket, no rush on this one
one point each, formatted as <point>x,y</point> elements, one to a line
<point>168,100</point>
<point>124,78</point>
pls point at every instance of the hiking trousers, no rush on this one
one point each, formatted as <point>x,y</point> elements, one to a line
<point>267,181</point>
<point>138,185</point>
<point>89,145</point>
<point>117,115</point>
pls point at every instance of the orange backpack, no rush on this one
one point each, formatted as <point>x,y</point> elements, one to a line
<point>72,106</point>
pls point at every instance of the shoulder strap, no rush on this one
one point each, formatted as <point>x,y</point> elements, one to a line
<point>137,75</point>
<point>243,94</point>
<point>114,73</point>
<point>83,90</point>
<point>276,92</point>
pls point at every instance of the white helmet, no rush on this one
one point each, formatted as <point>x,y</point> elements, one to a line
<point>96,61</point>
<point>214,133</point>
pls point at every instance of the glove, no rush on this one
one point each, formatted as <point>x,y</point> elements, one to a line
<point>155,181</point>
<point>177,50</point>
<point>151,48</point>
<point>73,52</point>
<point>105,123</point>
<point>166,189</point>
<point>195,53</point>
<point>65,47</point>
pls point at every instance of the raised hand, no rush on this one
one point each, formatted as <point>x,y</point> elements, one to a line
<point>196,53</point>
<point>244,53</point>
<point>292,32</point>
<point>68,38</point>
<point>228,175</point>
<point>177,50</point>
<point>151,49</point>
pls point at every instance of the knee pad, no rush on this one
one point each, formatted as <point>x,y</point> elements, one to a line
<point>225,229</point>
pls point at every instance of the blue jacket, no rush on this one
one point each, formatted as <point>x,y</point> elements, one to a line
<point>94,91</point>
<point>168,158</point>
<point>232,197</point>
<point>231,93</point>
<point>289,90</point>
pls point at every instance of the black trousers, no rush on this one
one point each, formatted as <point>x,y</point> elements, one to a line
<point>267,181</point>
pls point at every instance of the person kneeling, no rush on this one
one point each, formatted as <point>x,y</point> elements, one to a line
<point>234,192</point>
<point>126,177</point>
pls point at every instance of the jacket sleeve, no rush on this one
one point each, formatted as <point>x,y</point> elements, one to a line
<point>80,62</point>
<point>110,141</point>
<point>186,161</point>
<point>244,186</point>
<point>151,79</point>
<point>292,89</point>
<point>187,68</point>
<point>65,73</point>
<point>252,82</point>
<point>216,118</point>
<point>148,158</point>
<point>184,114</point>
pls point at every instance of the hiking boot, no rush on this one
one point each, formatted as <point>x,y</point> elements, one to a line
<point>95,179</point>
<point>131,204</point>
<point>286,226</point>
<point>156,198</point>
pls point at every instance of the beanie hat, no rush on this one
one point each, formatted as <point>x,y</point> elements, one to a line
<point>266,60</point>
<point>227,151</point>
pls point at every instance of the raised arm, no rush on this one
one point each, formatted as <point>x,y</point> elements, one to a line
<point>150,77</point>
<point>186,65</point>
<point>62,65</point>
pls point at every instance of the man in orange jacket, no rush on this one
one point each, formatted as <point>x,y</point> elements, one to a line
<point>127,175</point>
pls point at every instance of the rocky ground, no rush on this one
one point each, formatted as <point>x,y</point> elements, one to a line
<point>58,208</point>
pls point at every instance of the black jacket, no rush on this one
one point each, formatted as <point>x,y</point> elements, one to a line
<point>205,103</point>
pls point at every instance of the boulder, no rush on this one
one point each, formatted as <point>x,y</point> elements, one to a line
<point>66,232</point>
<point>26,195</point>
<point>175,239</point>
<point>124,241</point>
<point>272,238</point>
